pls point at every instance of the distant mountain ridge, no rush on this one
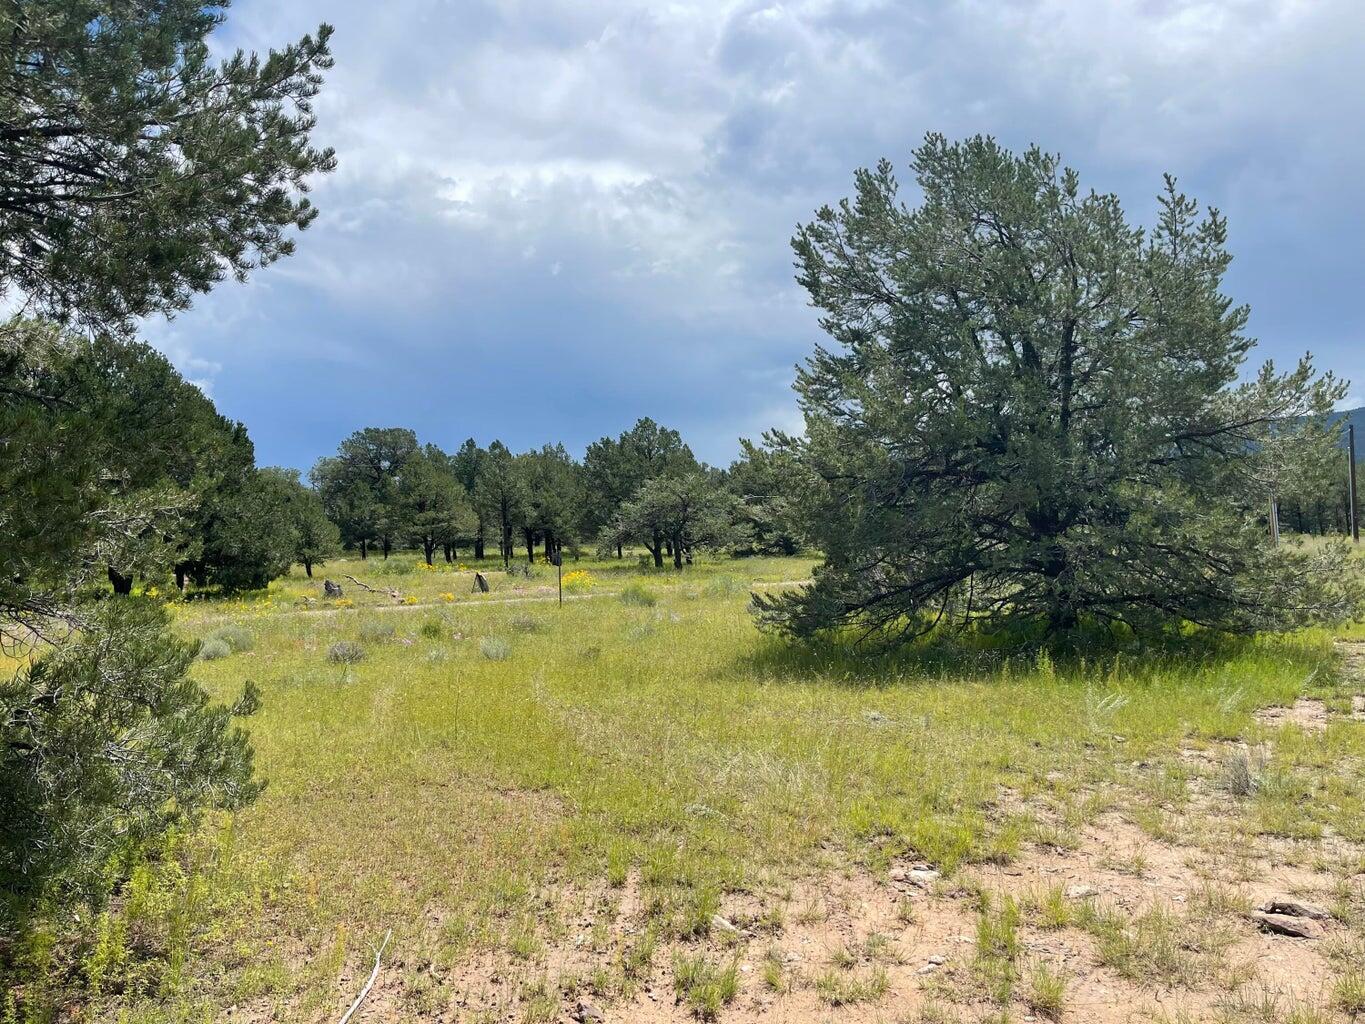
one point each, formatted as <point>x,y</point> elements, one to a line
<point>1357,417</point>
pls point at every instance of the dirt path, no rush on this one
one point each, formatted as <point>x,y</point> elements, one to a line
<point>547,594</point>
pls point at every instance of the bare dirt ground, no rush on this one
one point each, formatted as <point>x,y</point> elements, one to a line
<point>1134,928</point>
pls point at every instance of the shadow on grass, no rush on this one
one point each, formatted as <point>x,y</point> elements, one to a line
<point>1082,658</point>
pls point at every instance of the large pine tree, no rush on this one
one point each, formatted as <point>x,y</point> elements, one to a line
<point>1034,411</point>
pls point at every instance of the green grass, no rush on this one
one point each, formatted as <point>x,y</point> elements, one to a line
<point>480,804</point>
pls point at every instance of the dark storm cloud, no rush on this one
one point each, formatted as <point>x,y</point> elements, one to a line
<point>552,217</point>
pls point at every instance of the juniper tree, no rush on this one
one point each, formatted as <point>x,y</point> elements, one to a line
<point>1033,410</point>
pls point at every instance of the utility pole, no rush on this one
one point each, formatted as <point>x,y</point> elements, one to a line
<point>1351,485</point>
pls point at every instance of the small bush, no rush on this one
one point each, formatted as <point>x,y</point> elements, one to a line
<point>639,596</point>
<point>494,648</point>
<point>1244,771</point>
<point>432,629</point>
<point>213,648</point>
<point>238,638</point>
<point>345,653</point>
<point>372,632</point>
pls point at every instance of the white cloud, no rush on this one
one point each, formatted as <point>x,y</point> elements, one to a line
<point>659,154</point>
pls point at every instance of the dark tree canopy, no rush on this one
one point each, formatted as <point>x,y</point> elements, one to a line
<point>1032,411</point>
<point>138,172</point>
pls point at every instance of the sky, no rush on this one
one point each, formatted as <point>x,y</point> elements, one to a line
<point>553,217</point>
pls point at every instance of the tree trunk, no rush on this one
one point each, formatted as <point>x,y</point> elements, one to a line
<point>618,551</point>
<point>478,548</point>
<point>530,546</point>
<point>677,553</point>
<point>363,552</point>
<point>308,567</point>
<point>386,544</point>
<point>428,548</point>
<point>122,584</point>
<point>658,552</point>
<point>180,578</point>
<point>449,552</point>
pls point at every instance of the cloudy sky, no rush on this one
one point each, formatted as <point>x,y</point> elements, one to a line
<point>551,217</point>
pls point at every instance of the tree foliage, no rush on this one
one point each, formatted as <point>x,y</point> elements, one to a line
<point>1031,412</point>
<point>138,171</point>
<point>432,506</point>
<point>688,510</point>
<point>106,743</point>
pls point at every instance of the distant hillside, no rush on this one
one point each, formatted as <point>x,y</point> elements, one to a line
<point>1356,416</point>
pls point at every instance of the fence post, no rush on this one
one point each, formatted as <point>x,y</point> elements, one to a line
<point>1351,477</point>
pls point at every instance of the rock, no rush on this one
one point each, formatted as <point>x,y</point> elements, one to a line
<point>1294,927</point>
<point>875,717</point>
<point>922,877</point>
<point>588,1014</point>
<point>330,589</point>
<point>938,960</point>
<point>1295,908</point>
<point>1081,892</point>
<point>722,924</point>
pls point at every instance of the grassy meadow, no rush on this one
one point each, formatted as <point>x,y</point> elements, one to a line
<point>629,796</point>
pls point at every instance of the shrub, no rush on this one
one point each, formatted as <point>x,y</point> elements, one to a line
<point>638,595</point>
<point>494,648</point>
<point>432,629</point>
<point>214,648</point>
<point>372,632</point>
<point>238,638</point>
<point>345,653</point>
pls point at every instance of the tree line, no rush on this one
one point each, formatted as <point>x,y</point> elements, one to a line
<point>382,490</point>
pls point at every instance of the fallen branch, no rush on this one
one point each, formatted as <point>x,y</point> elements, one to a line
<point>377,954</point>
<point>365,586</point>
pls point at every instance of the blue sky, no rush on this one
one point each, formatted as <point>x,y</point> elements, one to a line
<point>551,217</point>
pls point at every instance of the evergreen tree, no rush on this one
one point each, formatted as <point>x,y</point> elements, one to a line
<point>614,470</point>
<point>1031,413</point>
<point>467,464</point>
<point>500,496</point>
<point>550,482</point>
<point>761,479</point>
<point>432,506</point>
<point>139,172</point>
<point>359,485</point>
<point>689,511</point>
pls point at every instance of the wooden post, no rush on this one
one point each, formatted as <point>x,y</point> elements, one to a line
<point>1351,477</point>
